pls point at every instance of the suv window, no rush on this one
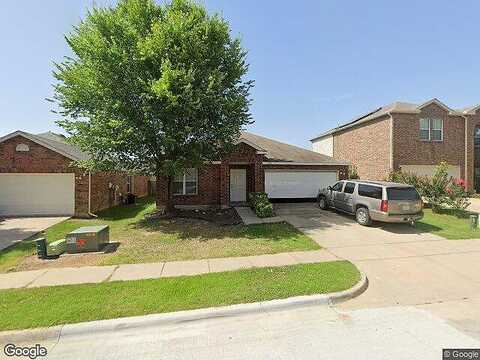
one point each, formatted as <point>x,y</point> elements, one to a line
<point>370,191</point>
<point>402,193</point>
<point>349,188</point>
<point>338,186</point>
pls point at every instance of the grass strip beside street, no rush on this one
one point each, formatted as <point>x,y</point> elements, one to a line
<point>448,224</point>
<point>49,306</point>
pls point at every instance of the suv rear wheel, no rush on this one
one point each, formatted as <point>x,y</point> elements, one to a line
<point>322,203</point>
<point>363,216</point>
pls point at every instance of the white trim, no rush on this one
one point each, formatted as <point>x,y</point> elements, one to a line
<point>466,151</point>
<point>89,192</point>
<point>430,129</point>
<point>303,164</point>
<point>437,102</point>
<point>302,170</point>
<point>38,141</point>
<point>391,141</point>
<point>472,111</point>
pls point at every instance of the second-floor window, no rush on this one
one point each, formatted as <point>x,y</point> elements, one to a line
<point>431,129</point>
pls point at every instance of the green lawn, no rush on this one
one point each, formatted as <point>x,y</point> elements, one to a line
<point>448,225</point>
<point>156,240</point>
<point>48,306</point>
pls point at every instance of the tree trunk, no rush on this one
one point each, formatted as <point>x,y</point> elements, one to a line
<point>164,200</point>
<point>169,207</point>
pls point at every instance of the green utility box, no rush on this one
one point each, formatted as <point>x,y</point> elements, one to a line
<point>57,248</point>
<point>41,248</point>
<point>87,239</point>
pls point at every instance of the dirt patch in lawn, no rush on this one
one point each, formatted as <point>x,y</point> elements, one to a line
<point>219,217</point>
<point>189,235</point>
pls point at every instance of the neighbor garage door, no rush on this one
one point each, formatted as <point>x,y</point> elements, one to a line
<point>297,184</point>
<point>37,194</point>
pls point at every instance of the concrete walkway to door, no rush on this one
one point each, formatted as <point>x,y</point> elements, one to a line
<point>15,229</point>
<point>404,266</point>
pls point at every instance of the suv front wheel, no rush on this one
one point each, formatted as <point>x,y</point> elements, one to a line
<point>322,203</point>
<point>363,216</point>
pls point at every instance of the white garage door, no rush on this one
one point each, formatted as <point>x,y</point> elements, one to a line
<point>37,194</point>
<point>297,184</point>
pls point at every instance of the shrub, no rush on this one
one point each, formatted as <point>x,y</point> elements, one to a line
<point>458,195</point>
<point>353,173</point>
<point>421,183</point>
<point>438,191</point>
<point>260,204</point>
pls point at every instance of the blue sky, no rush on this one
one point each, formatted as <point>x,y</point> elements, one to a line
<point>316,63</point>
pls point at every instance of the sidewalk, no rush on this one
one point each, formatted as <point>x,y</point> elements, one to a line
<point>99,274</point>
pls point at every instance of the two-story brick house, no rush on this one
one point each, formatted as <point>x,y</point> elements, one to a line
<point>411,137</point>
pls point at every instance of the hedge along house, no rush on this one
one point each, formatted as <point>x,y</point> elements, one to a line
<point>38,178</point>
<point>259,164</point>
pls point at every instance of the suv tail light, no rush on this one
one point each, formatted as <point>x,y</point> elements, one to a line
<point>384,206</point>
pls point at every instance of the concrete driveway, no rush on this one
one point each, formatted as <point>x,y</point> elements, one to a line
<point>404,265</point>
<point>13,230</point>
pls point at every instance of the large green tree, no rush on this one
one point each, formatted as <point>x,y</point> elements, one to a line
<point>153,88</point>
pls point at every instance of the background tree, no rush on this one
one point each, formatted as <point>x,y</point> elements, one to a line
<point>153,89</point>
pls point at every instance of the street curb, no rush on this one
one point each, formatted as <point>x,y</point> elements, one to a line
<point>100,326</point>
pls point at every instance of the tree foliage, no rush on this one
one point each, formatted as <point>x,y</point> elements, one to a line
<point>153,88</point>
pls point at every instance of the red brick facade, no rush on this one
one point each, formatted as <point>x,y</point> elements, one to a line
<point>214,179</point>
<point>381,145</point>
<point>40,159</point>
<point>367,146</point>
<point>408,149</point>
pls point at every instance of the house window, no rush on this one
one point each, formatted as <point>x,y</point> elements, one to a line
<point>437,129</point>
<point>424,129</point>
<point>186,183</point>
<point>129,184</point>
<point>431,129</point>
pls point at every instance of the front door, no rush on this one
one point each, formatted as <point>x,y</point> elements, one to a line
<point>238,185</point>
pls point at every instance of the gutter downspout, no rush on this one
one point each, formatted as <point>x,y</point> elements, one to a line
<point>466,150</point>
<point>90,195</point>
<point>391,141</point>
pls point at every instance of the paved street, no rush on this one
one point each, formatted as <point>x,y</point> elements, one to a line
<point>13,230</point>
<point>319,332</point>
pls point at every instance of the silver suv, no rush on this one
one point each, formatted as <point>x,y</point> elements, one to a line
<point>373,201</point>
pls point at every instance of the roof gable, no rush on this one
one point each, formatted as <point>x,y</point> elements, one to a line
<point>436,102</point>
<point>62,148</point>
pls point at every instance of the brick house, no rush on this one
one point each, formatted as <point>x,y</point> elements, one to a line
<point>258,164</point>
<point>37,177</point>
<point>411,137</point>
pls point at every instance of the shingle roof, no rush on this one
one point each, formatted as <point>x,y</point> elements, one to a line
<point>395,107</point>
<point>59,142</point>
<point>52,141</point>
<point>277,151</point>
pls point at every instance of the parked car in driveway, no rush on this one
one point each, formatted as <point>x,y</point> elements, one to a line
<point>373,201</point>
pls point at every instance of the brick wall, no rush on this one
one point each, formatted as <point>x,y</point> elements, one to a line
<point>214,179</point>
<point>473,122</point>
<point>408,149</point>
<point>367,146</point>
